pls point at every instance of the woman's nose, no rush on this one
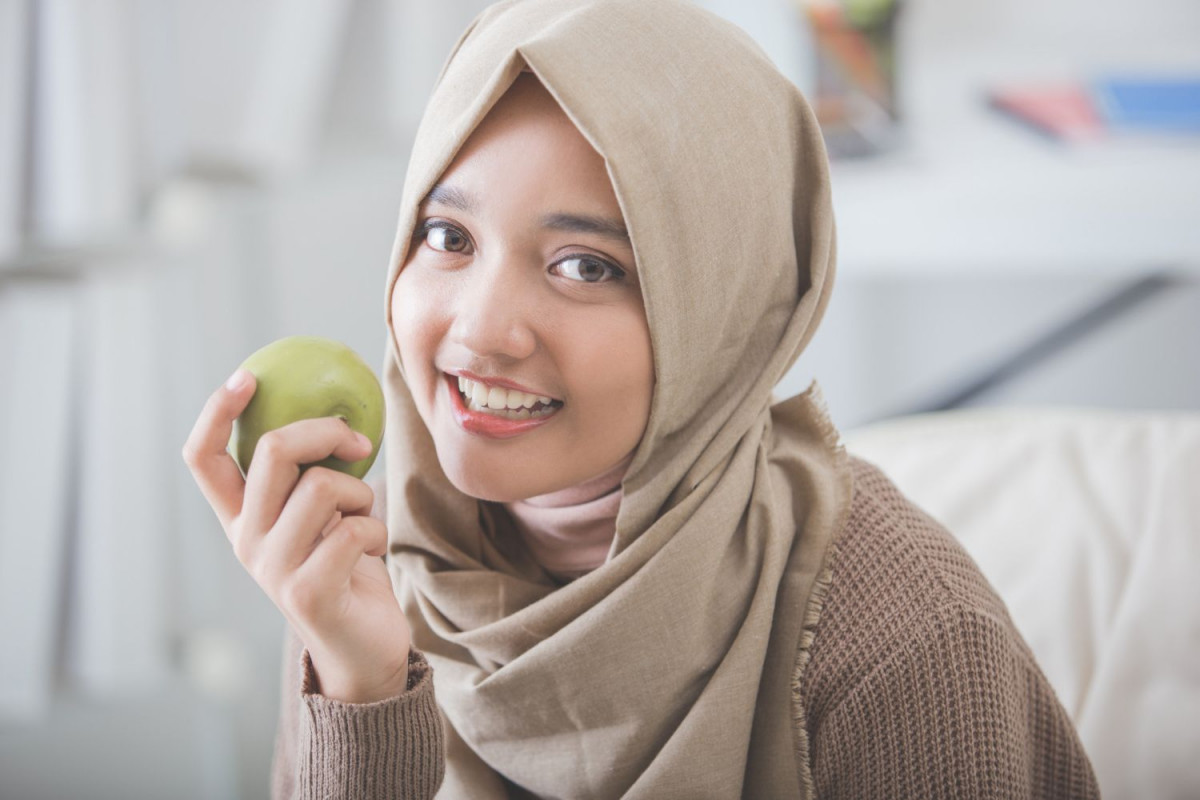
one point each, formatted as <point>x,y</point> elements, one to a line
<point>493,314</point>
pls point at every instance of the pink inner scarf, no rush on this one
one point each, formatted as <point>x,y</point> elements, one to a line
<point>571,532</point>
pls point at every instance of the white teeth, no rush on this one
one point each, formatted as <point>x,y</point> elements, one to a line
<point>497,398</point>
<point>508,413</point>
<point>478,393</point>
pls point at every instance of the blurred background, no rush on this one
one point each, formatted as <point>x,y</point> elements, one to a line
<point>1016,184</point>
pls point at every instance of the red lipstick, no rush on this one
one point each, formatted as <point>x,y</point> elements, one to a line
<point>485,424</point>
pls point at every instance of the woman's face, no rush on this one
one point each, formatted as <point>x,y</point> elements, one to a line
<point>520,276</point>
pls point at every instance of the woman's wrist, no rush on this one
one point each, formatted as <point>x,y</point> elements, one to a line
<point>344,687</point>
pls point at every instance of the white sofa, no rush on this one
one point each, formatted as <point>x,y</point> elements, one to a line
<point>1087,523</point>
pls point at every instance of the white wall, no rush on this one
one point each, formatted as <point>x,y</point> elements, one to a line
<point>891,346</point>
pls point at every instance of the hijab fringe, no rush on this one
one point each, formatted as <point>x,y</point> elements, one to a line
<point>816,600</point>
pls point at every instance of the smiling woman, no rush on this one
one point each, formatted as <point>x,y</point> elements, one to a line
<point>630,569</point>
<point>520,281</point>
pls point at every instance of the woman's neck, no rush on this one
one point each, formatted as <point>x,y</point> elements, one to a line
<point>584,492</point>
<point>570,531</point>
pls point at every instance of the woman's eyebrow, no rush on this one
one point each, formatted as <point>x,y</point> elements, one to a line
<point>586,223</point>
<point>614,229</point>
<point>450,196</point>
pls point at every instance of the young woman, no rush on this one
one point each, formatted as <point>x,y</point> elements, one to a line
<point>614,564</point>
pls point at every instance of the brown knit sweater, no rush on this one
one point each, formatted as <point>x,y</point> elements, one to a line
<point>919,686</point>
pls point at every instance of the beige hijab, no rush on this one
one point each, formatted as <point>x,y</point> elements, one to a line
<point>669,671</point>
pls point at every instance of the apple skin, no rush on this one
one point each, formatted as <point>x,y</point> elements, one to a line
<point>305,377</point>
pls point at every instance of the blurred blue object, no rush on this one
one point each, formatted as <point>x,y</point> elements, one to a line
<point>1170,105</point>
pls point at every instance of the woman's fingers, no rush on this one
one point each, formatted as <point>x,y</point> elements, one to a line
<point>323,574</point>
<point>205,451</point>
<point>320,495</point>
<point>248,509</point>
<point>275,468</point>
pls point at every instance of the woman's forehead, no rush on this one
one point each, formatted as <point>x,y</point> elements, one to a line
<point>526,101</point>
<point>527,149</point>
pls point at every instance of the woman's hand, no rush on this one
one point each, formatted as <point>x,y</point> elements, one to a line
<point>309,541</point>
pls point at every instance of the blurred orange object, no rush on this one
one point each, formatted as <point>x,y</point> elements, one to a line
<point>855,98</point>
<point>848,48</point>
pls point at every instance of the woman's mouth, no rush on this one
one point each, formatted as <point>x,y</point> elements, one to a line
<point>497,411</point>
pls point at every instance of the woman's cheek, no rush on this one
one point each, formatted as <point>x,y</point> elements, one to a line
<point>407,328</point>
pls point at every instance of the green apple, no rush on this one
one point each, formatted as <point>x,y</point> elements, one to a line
<point>305,377</point>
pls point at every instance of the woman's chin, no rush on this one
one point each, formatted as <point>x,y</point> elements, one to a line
<point>494,485</point>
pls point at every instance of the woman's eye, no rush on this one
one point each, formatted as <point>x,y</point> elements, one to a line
<point>588,270</point>
<point>445,238</point>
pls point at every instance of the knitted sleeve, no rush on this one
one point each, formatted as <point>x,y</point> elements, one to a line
<point>329,749</point>
<point>958,710</point>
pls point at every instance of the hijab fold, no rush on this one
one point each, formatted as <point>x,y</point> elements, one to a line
<point>669,669</point>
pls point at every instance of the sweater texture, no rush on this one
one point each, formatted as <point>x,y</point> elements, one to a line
<point>917,685</point>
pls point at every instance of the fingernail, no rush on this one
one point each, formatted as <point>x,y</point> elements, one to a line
<point>237,380</point>
<point>363,441</point>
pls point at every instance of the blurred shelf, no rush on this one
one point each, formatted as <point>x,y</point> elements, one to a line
<point>1108,209</point>
<point>970,193</point>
